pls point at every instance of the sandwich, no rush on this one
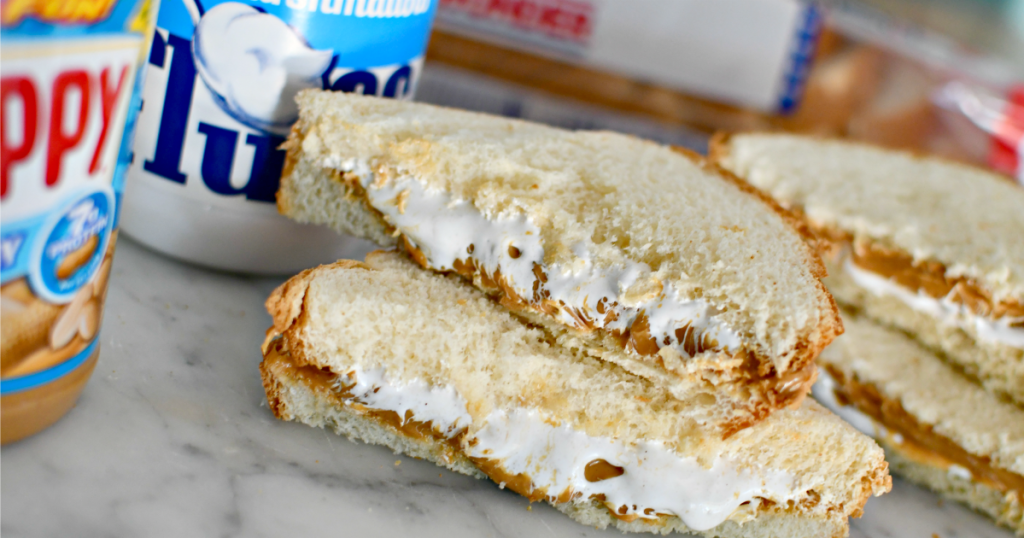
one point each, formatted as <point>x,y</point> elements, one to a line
<point>937,427</point>
<point>927,258</point>
<point>926,246</point>
<point>425,364</point>
<point>622,249</point>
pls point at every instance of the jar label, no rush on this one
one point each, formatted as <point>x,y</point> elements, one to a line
<point>219,93</point>
<point>65,93</point>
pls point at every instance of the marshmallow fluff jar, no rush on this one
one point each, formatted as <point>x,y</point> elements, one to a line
<point>218,101</point>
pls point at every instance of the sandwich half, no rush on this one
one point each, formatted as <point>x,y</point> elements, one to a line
<point>422,363</point>
<point>927,246</point>
<point>643,256</point>
<point>938,428</point>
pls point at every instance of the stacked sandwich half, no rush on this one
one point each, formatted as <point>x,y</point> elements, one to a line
<point>927,259</point>
<point>609,325</point>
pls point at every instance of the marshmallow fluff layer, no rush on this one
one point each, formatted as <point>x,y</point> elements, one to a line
<point>651,480</point>
<point>430,349</point>
<point>1005,330</point>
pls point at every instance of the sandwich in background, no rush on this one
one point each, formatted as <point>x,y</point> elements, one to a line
<point>938,428</point>
<point>619,248</point>
<point>928,256</point>
<point>923,245</point>
<point>426,365</point>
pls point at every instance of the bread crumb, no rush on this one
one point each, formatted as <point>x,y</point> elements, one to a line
<point>401,200</point>
<point>529,508</point>
<point>398,462</point>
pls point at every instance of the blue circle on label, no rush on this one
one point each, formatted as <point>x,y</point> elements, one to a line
<point>71,246</point>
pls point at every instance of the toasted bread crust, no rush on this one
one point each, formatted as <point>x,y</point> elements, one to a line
<point>833,327</point>
<point>291,157</point>
<point>274,388</point>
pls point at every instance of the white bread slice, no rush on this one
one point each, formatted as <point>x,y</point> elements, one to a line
<point>430,330</point>
<point>945,431</point>
<point>652,227</point>
<point>951,226</point>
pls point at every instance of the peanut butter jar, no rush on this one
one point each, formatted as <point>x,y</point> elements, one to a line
<point>68,99</point>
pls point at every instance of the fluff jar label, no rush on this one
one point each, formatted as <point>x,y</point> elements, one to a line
<point>65,93</point>
<point>222,77</point>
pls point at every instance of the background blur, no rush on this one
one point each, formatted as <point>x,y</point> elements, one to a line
<point>936,76</point>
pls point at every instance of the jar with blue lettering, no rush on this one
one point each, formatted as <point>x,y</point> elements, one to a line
<point>218,101</point>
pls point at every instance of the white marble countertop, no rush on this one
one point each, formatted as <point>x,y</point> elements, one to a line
<point>172,437</point>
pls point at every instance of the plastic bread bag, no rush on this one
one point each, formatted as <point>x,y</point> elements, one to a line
<point>833,69</point>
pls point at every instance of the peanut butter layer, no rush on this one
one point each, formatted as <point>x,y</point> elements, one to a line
<point>930,278</point>
<point>328,384</point>
<point>920,440</point>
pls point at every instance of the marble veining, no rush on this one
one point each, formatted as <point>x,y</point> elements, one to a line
<point>172,437</point>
